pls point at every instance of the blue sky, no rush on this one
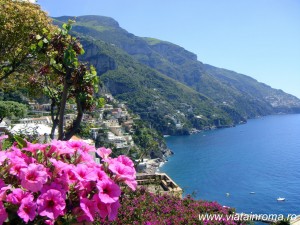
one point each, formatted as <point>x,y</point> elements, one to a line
<point>259,38</point>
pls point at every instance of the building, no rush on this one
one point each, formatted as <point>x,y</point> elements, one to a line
<point>41,120</point>
<point>118,141</point>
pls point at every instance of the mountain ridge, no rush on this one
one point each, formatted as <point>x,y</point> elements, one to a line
<point>236,97</point>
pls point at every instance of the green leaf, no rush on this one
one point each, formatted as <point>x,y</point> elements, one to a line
<point>33,47</point>
<point>82,51</point>
<point>41,43</point>
<point>21,142</point>
<point>52,61</point>
<point>45,31</point>
<point>64,26</point>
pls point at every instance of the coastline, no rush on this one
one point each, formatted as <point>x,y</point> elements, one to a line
<point>151,166</point>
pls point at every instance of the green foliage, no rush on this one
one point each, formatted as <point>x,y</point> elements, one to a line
<point>101,102</point>
<point>63,78</point>
<point>16,96</point>
<point>11,109</point>
<point>20,23</point>
<point>148,140</point>
<point>85,130</point>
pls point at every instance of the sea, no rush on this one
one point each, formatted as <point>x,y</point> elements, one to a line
<point>246,167</point>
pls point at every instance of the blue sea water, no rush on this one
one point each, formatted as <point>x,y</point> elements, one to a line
<point>262,156</point>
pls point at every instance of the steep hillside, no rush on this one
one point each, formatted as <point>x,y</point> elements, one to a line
<point>168,105</point>
<point>135,69</point>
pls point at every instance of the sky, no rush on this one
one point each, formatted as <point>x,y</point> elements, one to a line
<point>258,38</point>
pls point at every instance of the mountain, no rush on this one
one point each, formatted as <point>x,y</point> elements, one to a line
<point>167,85</point>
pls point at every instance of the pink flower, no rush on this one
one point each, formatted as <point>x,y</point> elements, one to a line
<point>110,209</point>
<point>109,192</point>
<point>103,152</point>
<point>3,213</point>
<point>125,160</point>
<point>2,192</point>
<point>113,210</point>
<point>3,137</point>
<point>60,147</point>
<point>2,157</point>
<point>60,166</point>
<point>101,175</point>
<point>33,177</point>
<point>85,157</point>
<point>89,210</point>
<point>123,168</point>
<point>16,164</point>
<point>27,209</point>
<point>83,172</point>
<point>16,196</point>
<point>122,172</point>
<point>51,204</point>
<point>50,222</point>
<point>56,186</point>
<point>34,147</point>
<point>131,184</point>
<point>80,145</point>
<point>2,184</point>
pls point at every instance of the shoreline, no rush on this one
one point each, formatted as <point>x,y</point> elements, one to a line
<point>152,165</point>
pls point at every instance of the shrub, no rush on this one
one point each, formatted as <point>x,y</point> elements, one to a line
<point>143,207</point>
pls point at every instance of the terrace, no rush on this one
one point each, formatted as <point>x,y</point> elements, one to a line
<point>159,183</point>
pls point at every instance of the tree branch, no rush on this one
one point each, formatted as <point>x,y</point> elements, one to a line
<point>76,122</point>
<point>63,102</point>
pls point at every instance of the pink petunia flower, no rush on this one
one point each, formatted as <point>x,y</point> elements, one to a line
<point>60,166</point>
<point>2,190</point>
<point>51,204</point>
<point>2,184</point>
<point>80,145</point>
<point>113,210</point>
<point>89,210</point>
<point>16,196</point>
<point>34,147</point>
<point>3,137</point>
<point>84,173</point>
<point>103,152</point>
<point>109,192</point>
<point>27,209</point>
<point>16,164</point>
<point>56,186</point>
<point>2,157</point>
<point>101,175</point>
<point>33,177</point>
<point>123,172</point>
<point>109,209</point>
<point>49,222</point>
<point>125,160</point>
<point>60,147</point>
<point>3,213</point>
